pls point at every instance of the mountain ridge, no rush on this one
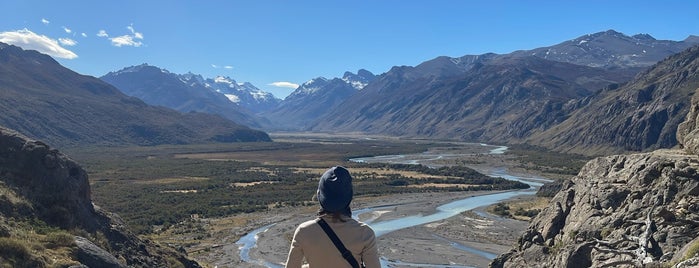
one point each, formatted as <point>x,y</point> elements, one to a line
<point>47,101</point>
<point>184,93</point>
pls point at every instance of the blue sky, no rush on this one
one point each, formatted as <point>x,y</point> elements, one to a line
<point>278,44</point>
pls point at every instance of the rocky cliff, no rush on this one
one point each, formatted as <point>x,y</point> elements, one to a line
<point>642,114</point>
<point>621,211</point>
<point>47,218</point>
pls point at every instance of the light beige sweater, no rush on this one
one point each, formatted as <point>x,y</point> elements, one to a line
<point>311,242</point>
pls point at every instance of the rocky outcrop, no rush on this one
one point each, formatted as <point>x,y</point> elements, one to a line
<point>688,131</point>
<point>621,211</point>
<point>41,188</point>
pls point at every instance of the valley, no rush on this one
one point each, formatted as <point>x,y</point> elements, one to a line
<point>203,198</point>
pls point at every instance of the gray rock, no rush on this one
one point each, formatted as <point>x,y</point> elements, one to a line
<point>612,209</point>
<point>91,255</point>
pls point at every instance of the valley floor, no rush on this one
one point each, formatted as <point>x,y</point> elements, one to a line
<point>432,243</point>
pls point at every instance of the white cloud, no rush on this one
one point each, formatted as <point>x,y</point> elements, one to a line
<point>83,34</point>
<point>227,67</point>
<point>102,33</point>
<point>67,41</point>
<point>125,40</point>
<point>45,21</point>
<point>136,34</point>
<point>284,84</point>
<point>27,39</point>
<point>67,30</point>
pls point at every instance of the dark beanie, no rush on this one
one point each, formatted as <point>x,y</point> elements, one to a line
<point>335,189</point>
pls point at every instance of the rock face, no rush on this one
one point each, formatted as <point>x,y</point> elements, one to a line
<point>623,210</point>
<point>640,115</point>
<point>39,184</point>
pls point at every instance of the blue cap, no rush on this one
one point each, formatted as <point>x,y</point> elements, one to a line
<point>335,189</point>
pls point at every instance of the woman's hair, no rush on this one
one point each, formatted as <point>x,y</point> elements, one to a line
<point>336,215</point>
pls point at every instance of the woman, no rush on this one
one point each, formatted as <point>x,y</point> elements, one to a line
<point>315,245</point>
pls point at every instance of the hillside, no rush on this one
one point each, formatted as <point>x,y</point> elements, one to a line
<point>642,114</point>
<point>44,100</point>
<point>610,50</point>
<point>488,99</point>
<point>637,210</point>
<point>47,218</point>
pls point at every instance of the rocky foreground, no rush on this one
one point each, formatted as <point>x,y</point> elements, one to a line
<point>622,211</point>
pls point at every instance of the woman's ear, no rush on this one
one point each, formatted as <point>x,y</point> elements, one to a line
<point>315,196</point>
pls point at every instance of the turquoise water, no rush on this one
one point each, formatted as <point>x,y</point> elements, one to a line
<point>443,212</point>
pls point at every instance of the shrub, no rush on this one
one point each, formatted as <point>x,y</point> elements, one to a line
<point>60,239</point>
<point>16,253</point>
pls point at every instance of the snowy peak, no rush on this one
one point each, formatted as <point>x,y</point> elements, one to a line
<point>609,49</point>
<point>244,94</point>
<point>162,82</point>
<point>359,80</point>
<point>310,87</point>
<point>139,68</point>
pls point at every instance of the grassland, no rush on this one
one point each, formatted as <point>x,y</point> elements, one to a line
<point>154,188</point>
<point>193,196</point>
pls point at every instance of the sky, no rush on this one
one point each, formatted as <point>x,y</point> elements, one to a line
<point>277,45</point>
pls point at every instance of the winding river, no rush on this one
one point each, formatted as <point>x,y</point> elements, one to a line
<point>448,210</point>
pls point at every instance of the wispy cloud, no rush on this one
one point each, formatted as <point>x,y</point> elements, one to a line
<point>227,67</point>
<point>83,34</point>
<point>133,39</point>
<point>284,84</point>
<point>102,33</point>
<point>67,29</point>
<point>27,39</point>
<point>125,40</point>
<point>45,21</point>
<point>67,42</point>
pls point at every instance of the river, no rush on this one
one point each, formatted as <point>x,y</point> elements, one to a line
<point>448,210</point>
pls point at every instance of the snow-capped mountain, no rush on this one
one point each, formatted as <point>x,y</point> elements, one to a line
<point>360,79</point>
<point>611,49</point>
<point>316,97</point>
<point>243,94</point>
<point>183,92</point>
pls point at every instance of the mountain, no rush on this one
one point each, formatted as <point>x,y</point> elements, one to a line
<point>530,96</point>
<point>244,94</point>
<point>314,98</point>
<point>44,100</point>
<point>184,93</point>
<point>48,219</point>
<point>488,98</point>
<point>611,49</point>
<point>641,114</point>
<point>637,210</point>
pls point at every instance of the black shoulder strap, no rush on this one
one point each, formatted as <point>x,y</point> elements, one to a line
<point>336,240</point>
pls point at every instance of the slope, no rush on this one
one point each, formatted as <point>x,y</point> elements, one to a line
<point>642,114</point>
<point>46,101</point>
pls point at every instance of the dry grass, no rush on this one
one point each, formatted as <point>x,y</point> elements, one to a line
<point>171,180</point>
<point>527,203</point>
<point>247,184</point>
<point>377,173</point>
